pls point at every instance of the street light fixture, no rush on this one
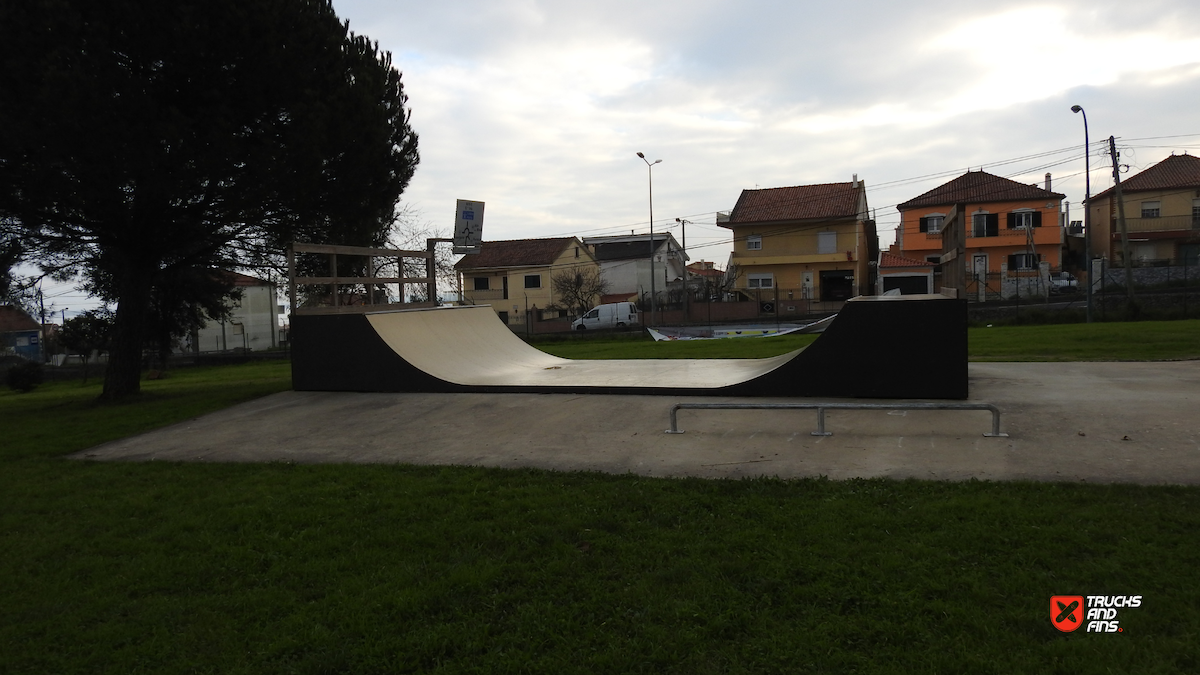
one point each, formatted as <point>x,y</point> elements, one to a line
<point>1087,207</point>
<point>653,289</point>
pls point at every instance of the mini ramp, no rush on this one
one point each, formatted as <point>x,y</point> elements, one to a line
<point>877,347</point>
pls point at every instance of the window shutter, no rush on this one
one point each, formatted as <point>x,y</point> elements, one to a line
<point>1037,218</point>
<point>1039,257</point>
<point>1012,221</point>
<point>1012,262</point>
<point>993,224</point>
<point>924,227</point>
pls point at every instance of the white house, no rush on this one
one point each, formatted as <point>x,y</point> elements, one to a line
<point>254,324</point>
<point>625,262</point>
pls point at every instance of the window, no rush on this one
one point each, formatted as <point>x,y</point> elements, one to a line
<point>481,283</point>
<point>1023,220</point>
<point>760,280</point>
<point>754,242</point>
<point>932,224</point>
<point>1151,209</point>
<point>533,281</point>
<point>1024,261</point>
<point>985,225</point>
<point>827,242</point>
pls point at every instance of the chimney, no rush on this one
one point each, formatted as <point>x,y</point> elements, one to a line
<point>1047,181</point>
<point>854,181</point>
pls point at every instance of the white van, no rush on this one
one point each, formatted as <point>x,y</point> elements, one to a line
<point>613,315</point>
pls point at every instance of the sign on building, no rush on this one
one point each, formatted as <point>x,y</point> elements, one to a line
<point>468,226</point>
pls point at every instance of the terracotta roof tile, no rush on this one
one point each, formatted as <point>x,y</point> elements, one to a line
<point>893,260</point>
<point>13,319</point>
<point>516,253</point>
<point>1176,171</point>
<point>974,187</point>
<point>239,279</point>
<point>800,202</point>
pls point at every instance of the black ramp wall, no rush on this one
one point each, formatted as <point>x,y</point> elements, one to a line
<point>877,347</point>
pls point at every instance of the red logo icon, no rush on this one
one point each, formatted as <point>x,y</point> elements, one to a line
<point>1066,612</point>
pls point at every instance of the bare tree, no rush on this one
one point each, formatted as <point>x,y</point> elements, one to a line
<point>578,288</point>
<point>730,279</point>
<point>411,232</point>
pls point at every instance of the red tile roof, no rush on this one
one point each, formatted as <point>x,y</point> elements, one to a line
<point>617,297</point>
<point>14,319</point>
<point>893,260</point>
<point>800,202</point>
<point>238,279</point>
<point>974,187</point>
<point>1174,172</point>
<point>518,253</point>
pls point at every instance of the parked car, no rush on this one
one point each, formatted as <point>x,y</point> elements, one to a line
<point>613,315</point>
<point>1063,282</point>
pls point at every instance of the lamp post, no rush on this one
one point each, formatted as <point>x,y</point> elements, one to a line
<point>653,290</point>
<point>1087,207</point>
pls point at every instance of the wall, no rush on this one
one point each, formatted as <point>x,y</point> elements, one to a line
<point>789,250</point>
<point>257,312</point>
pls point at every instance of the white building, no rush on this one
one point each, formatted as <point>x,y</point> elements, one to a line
<point>625,262</point>
<point>253,325</point>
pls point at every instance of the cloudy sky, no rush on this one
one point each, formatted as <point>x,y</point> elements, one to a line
<point>538,107</point>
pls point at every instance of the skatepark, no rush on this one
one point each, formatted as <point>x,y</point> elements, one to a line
<point>1100,422</point>
<point>454,386</point>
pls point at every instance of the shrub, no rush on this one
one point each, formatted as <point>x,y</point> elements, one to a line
<point>24,377</point>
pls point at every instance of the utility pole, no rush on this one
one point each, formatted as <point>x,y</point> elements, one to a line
<point>687,290</point>
<point>1112,148</point>
<point>41,324</point>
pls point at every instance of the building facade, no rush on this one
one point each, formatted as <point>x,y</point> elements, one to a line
<point>806,242</point>
<point>516,277</point>
<point>1162,215</point>
<point>625,263</point>
<point>1010,227</point>
<point>253,324</point>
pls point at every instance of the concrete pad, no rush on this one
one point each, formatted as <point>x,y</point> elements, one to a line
<point>1096,422</point>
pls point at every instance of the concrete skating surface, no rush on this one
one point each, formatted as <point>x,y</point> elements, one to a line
<point>1097,422</point>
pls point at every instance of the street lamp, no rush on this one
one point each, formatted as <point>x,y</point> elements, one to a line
<point>653,290</point>
<point>1087,207</point>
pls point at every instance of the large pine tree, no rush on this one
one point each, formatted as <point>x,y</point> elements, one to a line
<point>140,138</point>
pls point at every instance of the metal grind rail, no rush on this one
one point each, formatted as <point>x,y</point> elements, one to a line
<point>822,407</point>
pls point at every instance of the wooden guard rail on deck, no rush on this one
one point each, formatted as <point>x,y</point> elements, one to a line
<point>367,281</point>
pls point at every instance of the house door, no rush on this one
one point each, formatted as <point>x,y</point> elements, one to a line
<point>806,286</point>
<point>979,265</point>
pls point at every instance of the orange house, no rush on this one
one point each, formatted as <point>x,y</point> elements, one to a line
<point>1010,226</point>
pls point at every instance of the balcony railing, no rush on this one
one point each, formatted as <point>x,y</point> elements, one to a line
<point>1017,233</point>
<point>485,296</point>
<point>1162,224</point>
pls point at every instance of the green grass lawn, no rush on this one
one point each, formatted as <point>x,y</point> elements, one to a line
<point>225,568</point>
<point>1140,341</point>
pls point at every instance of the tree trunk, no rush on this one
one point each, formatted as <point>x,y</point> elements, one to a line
<point>123,376</point>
